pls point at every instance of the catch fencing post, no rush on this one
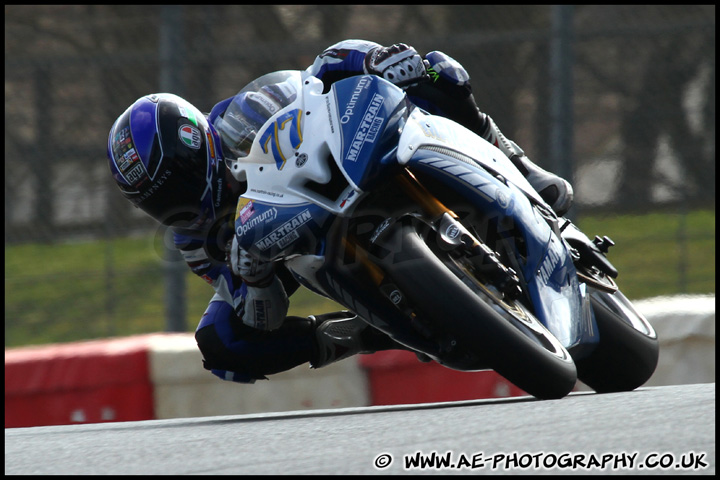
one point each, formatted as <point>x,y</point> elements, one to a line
<point>171,51</point>
<point>561,84</point>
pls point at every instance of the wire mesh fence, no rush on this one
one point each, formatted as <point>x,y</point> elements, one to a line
<point>642,108</point>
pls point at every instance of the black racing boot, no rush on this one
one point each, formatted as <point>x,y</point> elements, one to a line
<point>556,191</point>
<point>340,335</point>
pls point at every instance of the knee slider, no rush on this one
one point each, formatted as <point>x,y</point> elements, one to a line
<point>256,353</point>
<point>218,358</point>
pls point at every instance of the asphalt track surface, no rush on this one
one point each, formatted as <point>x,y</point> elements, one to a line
<point>652,430</point>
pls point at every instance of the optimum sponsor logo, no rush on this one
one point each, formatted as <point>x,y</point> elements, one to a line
<point>350,107</point>
<point>266,216</point>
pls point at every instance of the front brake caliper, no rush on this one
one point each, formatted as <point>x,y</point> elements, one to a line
<point>455,236</point>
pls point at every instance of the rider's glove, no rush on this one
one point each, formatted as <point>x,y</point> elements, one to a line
<point>444,69</point>
<point>264,308</point>
<point>399,64</point>
<point>254,272</point>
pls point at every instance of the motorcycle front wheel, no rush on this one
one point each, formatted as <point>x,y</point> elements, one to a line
<point>502,332</point>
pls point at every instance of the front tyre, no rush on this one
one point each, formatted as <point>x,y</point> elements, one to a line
<point>627,354</point>
<point>512,341</point>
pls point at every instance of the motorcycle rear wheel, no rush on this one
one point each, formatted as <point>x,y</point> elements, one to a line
<point>512,341</point>
<point>627,354</point>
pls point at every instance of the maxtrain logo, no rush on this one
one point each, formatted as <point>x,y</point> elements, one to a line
<point>286,233</point>
<point>368,129</point>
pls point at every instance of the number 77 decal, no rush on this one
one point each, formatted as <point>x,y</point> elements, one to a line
<point>272,135</point>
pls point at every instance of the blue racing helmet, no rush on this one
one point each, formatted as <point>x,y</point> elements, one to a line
<point>167,160</point>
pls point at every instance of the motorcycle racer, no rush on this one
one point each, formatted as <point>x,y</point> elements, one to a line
<point>167,158</point>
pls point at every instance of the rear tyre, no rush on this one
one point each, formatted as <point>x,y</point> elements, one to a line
<point>627,354</point>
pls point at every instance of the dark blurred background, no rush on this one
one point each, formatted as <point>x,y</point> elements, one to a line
<point>632,87</point>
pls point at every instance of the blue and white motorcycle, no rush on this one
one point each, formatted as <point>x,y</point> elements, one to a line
<point>430,234</point>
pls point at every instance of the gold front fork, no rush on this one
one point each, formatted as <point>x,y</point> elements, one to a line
<point>428,203</point>
<point>421,196</point>
<point>441,216</point>
<point>431,206</point>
